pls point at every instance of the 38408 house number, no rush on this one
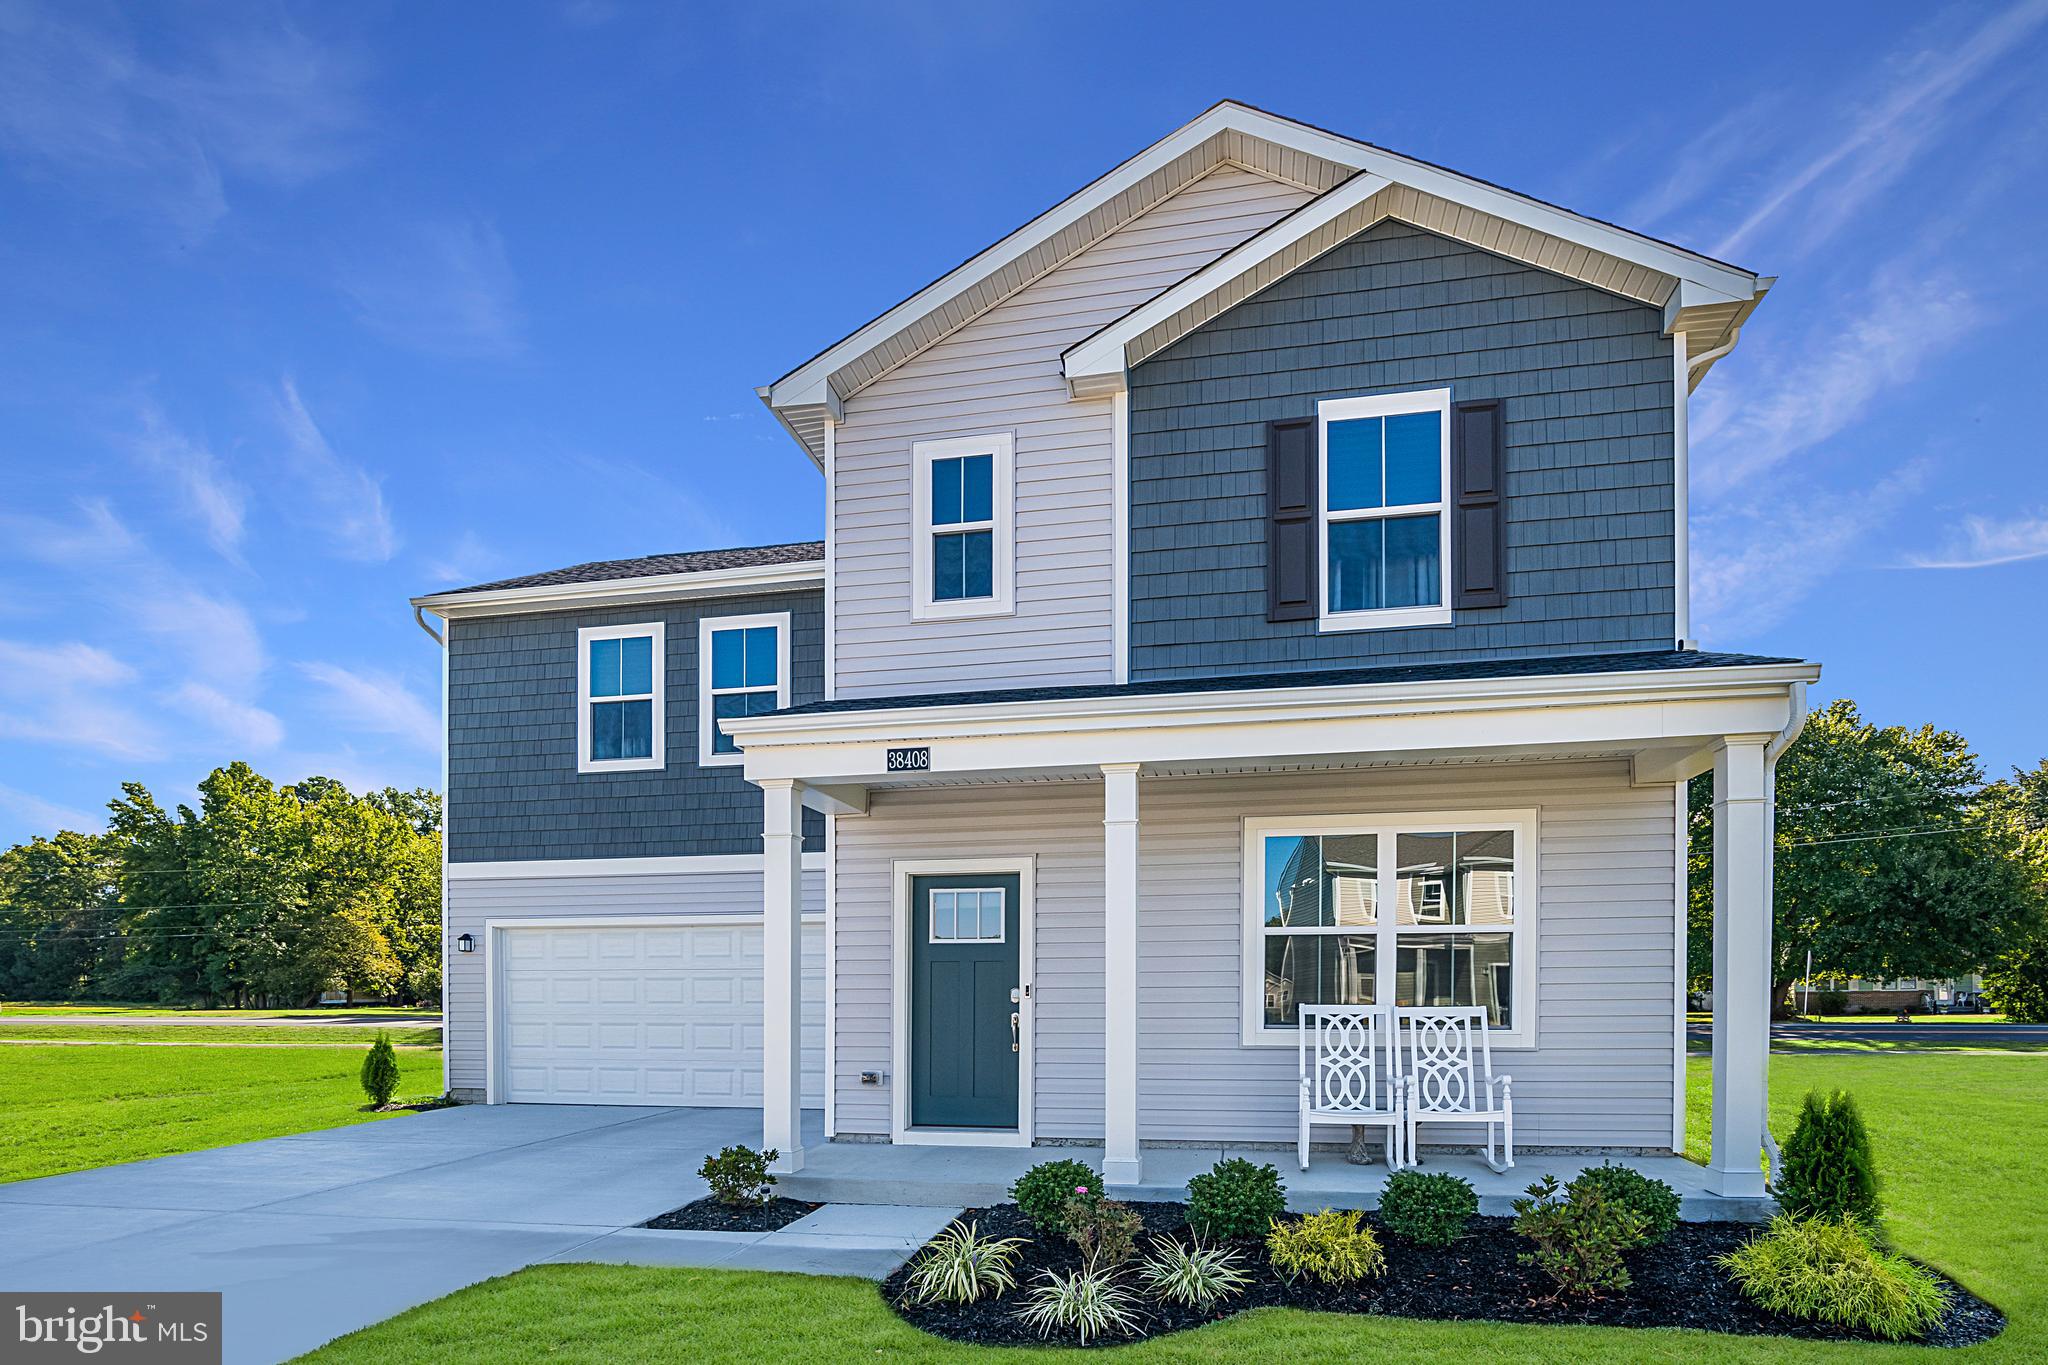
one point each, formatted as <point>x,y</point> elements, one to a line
<point>918,760</point>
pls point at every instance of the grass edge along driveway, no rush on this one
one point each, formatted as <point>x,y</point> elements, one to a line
<point>1958,1140</point>
<point>71,1108</point>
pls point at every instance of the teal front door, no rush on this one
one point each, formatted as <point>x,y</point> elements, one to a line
<point>965,1010</point>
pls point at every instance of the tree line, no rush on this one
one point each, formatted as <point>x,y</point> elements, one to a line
<point>262,895</point>
<point>1895,857</point>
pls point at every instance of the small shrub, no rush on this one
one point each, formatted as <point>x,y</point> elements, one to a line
<point>1043,1191</point>
<point>1087,1301</point>
<point>960,1266</point>
<point>1191,1274</point>
<point>1329,1246</point>
<point>1831,1002</point>
<point>738,1176</point>
<point>1827,1167</point>
<point>1580,1234</point>
<point>1656,1201</point>
<point>1431,1208</point>
<point>380,1071</point>
<point>1104,1231</point>
<point>1234,1198</point>
<point>1828,1269</point>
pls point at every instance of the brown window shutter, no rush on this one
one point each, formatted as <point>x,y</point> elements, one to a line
<point>1291,520</point>
<point>1479,540</point>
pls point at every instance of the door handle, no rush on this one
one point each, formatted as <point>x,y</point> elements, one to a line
<point>1014,1033</point>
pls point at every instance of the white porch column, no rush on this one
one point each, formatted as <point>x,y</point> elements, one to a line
<point>1120,1160</point>
<point>1742,971</point>
<point>782,905</point>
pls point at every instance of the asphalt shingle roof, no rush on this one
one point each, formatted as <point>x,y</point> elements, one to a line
<point>1554,666</point>
<point>649,566</point>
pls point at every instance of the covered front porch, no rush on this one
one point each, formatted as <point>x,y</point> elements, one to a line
<point>976,1177</point>
<point>1134,827</point>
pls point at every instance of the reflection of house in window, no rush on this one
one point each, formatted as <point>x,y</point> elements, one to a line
<point>1435,907</point>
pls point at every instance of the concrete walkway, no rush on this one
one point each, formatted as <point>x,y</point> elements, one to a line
<point>318,1234</point>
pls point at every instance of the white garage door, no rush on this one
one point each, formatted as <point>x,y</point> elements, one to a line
<point>660,1014</point>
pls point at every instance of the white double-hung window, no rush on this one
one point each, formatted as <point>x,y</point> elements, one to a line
<point>743,670</point>
<point>1384,466</point>
<point>1403,910</point>
<point>963,540</point>
<point>619,705</point>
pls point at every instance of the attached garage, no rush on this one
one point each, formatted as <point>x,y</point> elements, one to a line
<point>643,1013</point>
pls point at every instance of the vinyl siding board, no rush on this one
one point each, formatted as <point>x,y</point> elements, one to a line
<point>598,895</point>
<point>513,789</point>
<point>1601,1071</point>
<point>1001,372</point>
<point>1584,377</point>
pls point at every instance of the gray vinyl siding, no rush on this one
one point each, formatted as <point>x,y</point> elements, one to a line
<point>513,789</point>
<point>599,895</point>
<point>1601,1072</point>
<point>1585,378</point>
<point>1001,373</point>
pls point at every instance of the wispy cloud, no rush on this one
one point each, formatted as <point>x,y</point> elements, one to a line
<point>210,493</point>
<point>1884,135</point>
<point>467,560</point>
<point>81,104</point>
<point>1980,542</point>
<point>445,288</point>
<point>349,502</point>
<point>1754,564</point>
<point>214,637</point>
<point>376,702</point>
<point>73,695</point>
<point>1827,379</point>
<point>247,726</point>
<point>47,817</point>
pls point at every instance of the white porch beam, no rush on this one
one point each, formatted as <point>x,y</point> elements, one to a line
<point>1663,765</point>
<point>1742,973</point>
<point>782,902</point>
<point>1121,1164</point>
<point>839,799</point>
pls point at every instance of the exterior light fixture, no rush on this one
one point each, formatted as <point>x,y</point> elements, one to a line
<point>464,943</point>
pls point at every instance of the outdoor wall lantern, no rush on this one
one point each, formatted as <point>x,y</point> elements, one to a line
<point>464,943</point>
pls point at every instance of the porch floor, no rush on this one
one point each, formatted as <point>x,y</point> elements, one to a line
<point>882,1173</point>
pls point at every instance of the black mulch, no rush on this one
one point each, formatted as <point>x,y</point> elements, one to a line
<point>1677,1284</point>
<point>708,1215</point>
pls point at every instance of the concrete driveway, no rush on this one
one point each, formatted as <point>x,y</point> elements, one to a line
<point>318,1234</point>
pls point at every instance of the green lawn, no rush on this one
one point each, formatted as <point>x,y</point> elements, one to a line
<point>1959,1139</point>
<point>70,1108</point>
<point>9,1008</point>
<point>190,1034</point>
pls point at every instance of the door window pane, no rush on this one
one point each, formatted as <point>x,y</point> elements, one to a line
<point>992,914</point>
<point>967,916</point>
<point>945,914</point>
<point>1316,969</point>
<point>1442,970</point>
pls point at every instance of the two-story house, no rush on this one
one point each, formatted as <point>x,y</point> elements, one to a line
<point>1258,581</point>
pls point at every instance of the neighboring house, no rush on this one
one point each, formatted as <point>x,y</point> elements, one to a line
<point>1260,580</point>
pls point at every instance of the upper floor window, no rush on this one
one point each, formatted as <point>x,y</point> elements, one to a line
<point>1385,463</point>
<point>619,706</point>
<point>743,666</point>
<point>961,554</point>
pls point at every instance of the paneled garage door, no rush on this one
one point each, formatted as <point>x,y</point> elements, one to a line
<point>655,1014</point>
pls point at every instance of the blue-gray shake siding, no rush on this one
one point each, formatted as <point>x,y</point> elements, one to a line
<point>513,789</point>
<point>1586,379</point>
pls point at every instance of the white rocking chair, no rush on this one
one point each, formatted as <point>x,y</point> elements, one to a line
<point>1350,1072</point>
<point>1446,1084</point>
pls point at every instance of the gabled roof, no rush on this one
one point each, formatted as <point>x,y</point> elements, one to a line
<point>693,573</point>
<point>1356,184</point>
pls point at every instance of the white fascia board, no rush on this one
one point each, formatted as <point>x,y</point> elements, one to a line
<point>1102,354</point>
<point>684,866</point>
<point>810,382</point>
<point>1475,716</point>
<point>620,591</point>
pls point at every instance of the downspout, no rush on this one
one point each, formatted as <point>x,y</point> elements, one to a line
<point>1795,724</point>
<point>419,614</point>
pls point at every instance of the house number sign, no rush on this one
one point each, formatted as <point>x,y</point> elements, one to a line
<point>918,760</point>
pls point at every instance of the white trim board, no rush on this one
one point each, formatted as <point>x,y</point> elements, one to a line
<point>702,865</point>
<point>677,587</point>
<point>901,871</point>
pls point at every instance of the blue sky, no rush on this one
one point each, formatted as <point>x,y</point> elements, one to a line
<point>307,309</point>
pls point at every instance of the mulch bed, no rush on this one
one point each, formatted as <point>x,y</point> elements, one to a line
<point>708,1215</point>
<point>1677,1284</point>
